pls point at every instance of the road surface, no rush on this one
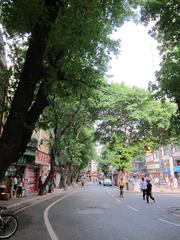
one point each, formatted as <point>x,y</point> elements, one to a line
<point>95,212</point>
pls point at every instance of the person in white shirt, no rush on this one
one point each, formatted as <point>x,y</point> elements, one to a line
<point>143,186</point>
<point>14,182</point>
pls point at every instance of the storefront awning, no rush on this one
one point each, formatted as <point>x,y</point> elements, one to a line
<point>177,169</point>
<point>29,152</point>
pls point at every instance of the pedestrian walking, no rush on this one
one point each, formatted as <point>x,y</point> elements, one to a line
<point>20,187</point>
<point>149,191</point>
<point>73,183</point>
<point>143,186</point>
<point>82,181</point>
<point>39,182</point>
<point>14,182</point>
<point>50,185</point>
<point>121,187</point>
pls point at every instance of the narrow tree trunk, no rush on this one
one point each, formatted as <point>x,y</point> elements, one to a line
<point>61,179</point>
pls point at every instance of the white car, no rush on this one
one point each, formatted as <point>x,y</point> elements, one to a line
<point>107,182</point>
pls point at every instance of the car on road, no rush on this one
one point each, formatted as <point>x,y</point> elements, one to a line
<point>107,182</point>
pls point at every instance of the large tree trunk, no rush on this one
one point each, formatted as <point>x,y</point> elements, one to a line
<point>50,176</point>
<point>23,113</point>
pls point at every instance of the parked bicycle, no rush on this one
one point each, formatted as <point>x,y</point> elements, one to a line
<point>8,223</point>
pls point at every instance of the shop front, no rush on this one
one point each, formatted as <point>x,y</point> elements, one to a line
<point>27,170</point>
<point>19,169</point>
<point>166,167</point>
<point>30,178</point>
<point>153,170</point>
<point>42,161</point>
<point>177,173</point>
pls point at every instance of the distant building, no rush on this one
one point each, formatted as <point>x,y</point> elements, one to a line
<point>138,168</point>
<point>93,170</point>
<point>153,163</point>
<point>164,162</point>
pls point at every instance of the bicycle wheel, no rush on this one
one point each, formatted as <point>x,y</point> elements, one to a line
<point>9,226</point>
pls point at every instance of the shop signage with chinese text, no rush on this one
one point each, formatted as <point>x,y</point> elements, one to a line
<point>153,166</point>
<point>42,158</point>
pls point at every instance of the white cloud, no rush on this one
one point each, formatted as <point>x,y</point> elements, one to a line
<point>139,57</point>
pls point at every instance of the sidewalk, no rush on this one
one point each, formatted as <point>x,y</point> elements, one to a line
<point>155,189</point>
<point>165,189</point>
<point>14,204</point>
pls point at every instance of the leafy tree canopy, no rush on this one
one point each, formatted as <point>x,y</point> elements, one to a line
<point>123,154</point>
<point>105,161</point>
<point>130,119</point>
<point>73,119</point>
<point>134,115</point>
<point>61,46</point>
<point>166,18</point>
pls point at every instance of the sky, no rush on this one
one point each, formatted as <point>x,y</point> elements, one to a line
<point>138,58</point>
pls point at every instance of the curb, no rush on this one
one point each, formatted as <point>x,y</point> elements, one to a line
<point>16,206</point>
<point>28,202</point>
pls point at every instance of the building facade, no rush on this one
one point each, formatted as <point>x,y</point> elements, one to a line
<point>164,162</point>
<point>34,163</point>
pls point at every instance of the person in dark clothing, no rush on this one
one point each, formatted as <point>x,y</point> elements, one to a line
<point>40,182</point>
<point>121,187</point>
<point>50,185</point>
<point>149,191</point>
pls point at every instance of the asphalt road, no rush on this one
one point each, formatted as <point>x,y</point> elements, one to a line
<point>96,212</point>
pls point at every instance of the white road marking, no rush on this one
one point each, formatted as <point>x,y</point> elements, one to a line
<point>163,220</point>
<point>107,190</point>
<point>35,203</point>
<point>50,230</point>
<point>21,209</point>
<point>177,215</point>
<point>136,210</point>
<point>112,195</point>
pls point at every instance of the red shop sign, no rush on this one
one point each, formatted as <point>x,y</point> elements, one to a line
<point>42,158</point>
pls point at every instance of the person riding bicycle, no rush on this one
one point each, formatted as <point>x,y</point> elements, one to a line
<point>121,186</point>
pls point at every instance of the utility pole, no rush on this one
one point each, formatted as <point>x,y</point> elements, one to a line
<point>171,161</point>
